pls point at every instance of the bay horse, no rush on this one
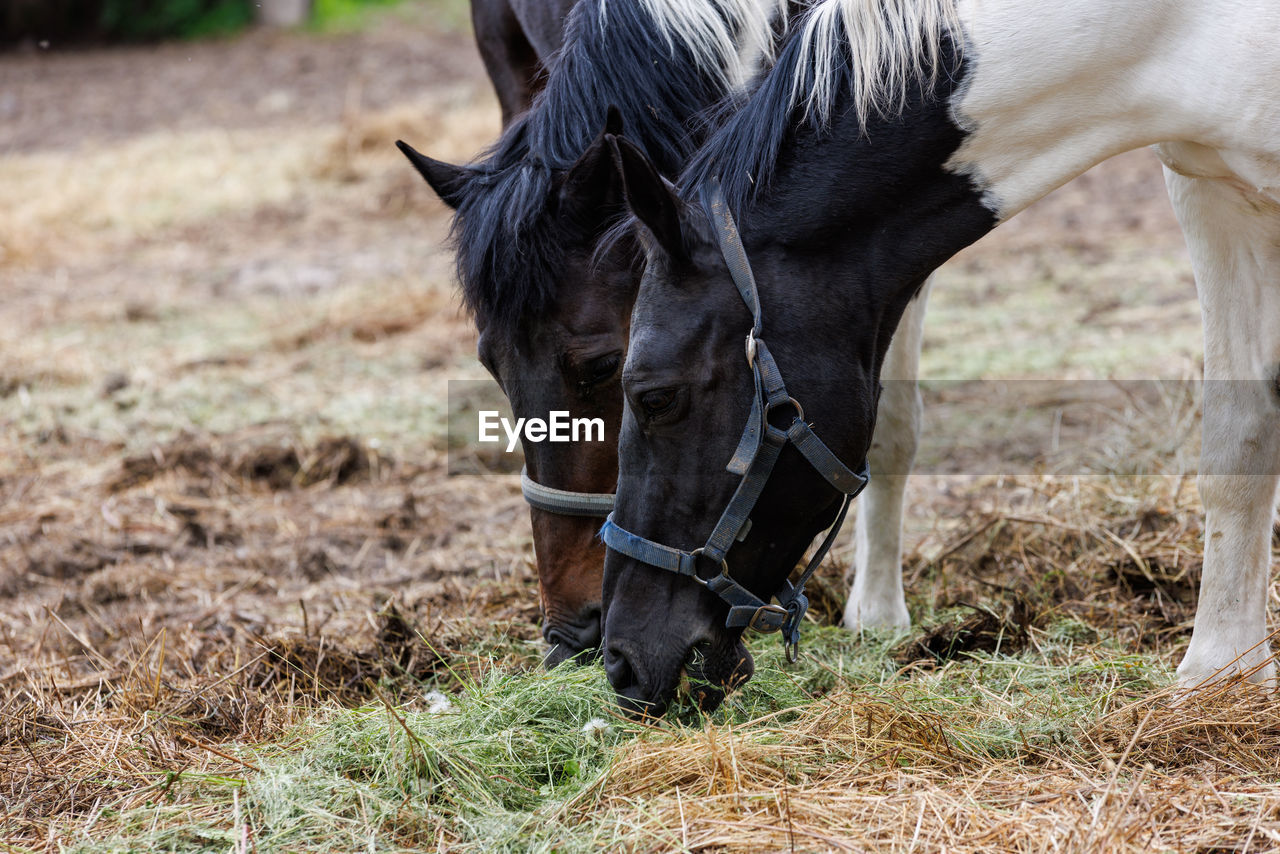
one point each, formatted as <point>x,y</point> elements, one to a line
<point>888,136</point>
<point>552,311</point>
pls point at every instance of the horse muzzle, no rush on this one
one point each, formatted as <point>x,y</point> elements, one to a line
<point>576,640</point>
<point>709,671</point>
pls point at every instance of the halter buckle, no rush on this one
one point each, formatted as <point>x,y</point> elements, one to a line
<point>768,618</point>
<point>697,553</point>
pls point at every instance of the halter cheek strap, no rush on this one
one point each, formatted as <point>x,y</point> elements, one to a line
<point>754,459</point>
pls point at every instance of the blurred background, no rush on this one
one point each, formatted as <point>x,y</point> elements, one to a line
<point>70,21</point>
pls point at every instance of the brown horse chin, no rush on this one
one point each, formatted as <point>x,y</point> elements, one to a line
<point>558,654</point>
<point>570,561</point>
<point>578,642</point>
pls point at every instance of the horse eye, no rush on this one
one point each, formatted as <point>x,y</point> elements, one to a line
<point>657,402</point>
<point>601,369</point>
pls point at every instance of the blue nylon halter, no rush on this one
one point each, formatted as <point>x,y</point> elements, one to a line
<point>756,454</point>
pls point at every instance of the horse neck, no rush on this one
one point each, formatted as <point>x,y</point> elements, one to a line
<point>1056,88</point>
<point>868,212</point>
<point>1045,90</point>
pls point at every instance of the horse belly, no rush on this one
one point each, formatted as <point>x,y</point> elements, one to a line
<point>1256,176</point>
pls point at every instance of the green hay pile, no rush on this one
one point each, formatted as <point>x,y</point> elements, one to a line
<point>536,761</point>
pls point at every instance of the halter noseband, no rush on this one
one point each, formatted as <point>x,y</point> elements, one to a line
<point>754,459</point>
<point>562,501</point>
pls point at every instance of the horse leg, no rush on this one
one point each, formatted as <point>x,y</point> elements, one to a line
<point>1234,238</point>
<point>508,55</point>
<point>876,599</point>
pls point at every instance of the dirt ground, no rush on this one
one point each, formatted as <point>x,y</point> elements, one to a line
<point>227,327</point>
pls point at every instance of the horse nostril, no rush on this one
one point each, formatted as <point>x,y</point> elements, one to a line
<point>618,669</point>
<point>633,699</point>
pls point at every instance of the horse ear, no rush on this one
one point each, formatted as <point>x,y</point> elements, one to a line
<point>592,187</point>
<point>647,195</point>
<point>445,178</point>
<point>613,120</point>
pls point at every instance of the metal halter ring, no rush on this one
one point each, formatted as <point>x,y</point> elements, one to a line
<point>751,347</point>
<point>697,553</point>
<point>791,400</point>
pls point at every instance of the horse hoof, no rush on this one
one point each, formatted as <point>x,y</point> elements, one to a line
<point>1204,667</point>
<point>864,616</point>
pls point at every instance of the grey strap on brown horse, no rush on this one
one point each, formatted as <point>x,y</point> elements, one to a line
<point>563,501</point>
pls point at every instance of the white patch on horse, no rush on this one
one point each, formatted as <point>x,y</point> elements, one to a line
<point>1054,90</point>
<point>731,39</point>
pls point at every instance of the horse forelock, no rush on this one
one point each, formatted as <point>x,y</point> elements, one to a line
<point>506,257</point>
<point>871,52</point>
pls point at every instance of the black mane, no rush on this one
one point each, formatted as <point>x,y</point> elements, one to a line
<point>508,249</point>
<point>744,147</point>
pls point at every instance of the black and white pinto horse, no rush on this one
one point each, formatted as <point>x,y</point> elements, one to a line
<point>889,135</point>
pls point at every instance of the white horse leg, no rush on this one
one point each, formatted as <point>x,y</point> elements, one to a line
<point>875,599</point>
<point>1234,238</point>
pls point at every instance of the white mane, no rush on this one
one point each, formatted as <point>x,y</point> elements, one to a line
<point>892,43</point>
<point>730,39</point>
